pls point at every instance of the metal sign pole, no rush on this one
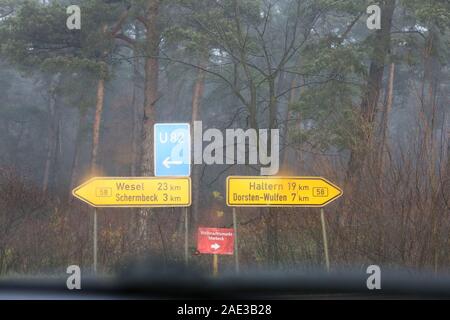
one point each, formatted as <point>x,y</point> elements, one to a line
<point>236,250</point>
<point>215,265</point>
<point>95,241</point>
<point>325,241</point>
<point>186,236</point>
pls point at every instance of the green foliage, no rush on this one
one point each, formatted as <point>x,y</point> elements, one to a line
<point>70,87</point>
<point>329,117</point>
<point>36,37</point>
<point>430,13</point>
<point>193,42</point>
<point>36,40</point>
<point>326,56</point>
<point>337,68</point>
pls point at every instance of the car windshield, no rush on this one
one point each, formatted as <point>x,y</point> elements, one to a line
<point>243,142</point>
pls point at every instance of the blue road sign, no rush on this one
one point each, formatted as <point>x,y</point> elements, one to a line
<point>172,149</point>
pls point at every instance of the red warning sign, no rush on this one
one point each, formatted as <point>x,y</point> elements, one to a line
<point>215,240</point>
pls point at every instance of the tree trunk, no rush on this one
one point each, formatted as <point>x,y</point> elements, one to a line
<point>284,158</point>
<point>52,132</point>
<point>76,152</point>
<point>151,70</point>
<point>252,104</point>
<point>271,218</point>
<point>136,111</point>
<point>199,88</point>
<point>384,147</point>
<point>136,126</point>
<point>96,126</point>
<point>56,177</point>
<point>151,86</point>
<point>429,152</point>
<point>369,103</point>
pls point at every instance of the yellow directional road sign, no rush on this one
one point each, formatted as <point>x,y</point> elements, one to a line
<point>276,191</point>
<point>135,192</point>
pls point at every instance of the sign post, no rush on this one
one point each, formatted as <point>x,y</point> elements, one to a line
<point>215,265</point>
<point>172,149</point>
<point>95,240</point>
<point>215,241</point>
<point>172,156</point>
<point>129,192</point>
<point>325,241</point>
<point>186,237</point>
<point>236,249</point>
<point>274,191</point>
